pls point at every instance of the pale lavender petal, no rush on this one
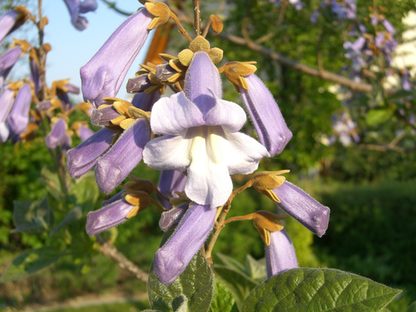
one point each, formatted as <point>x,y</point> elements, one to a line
<point>19,115</point>
<point>176,114</point>
<point>389,27</point>
<point>88,6</point>
<point>85,133</point>
<point>280,254</point>
<point>174,256</point>
<point>109,216</point>
<point>171,182</point>
<point>10,21</point>
<point>303,208</point>
<point>265,115</point>
<point>58,135</point>
<point>145,101</point>
<point>115,165</point>
<point>7,61</point>
<point>167,152</point>
<point>83,157</point>
<point>103,75</point>
<point>6,104</point>
<point>203,82</point>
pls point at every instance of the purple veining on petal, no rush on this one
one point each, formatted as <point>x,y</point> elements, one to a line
<point>303,208</point>
<point>265,115</point>
<point>103,75</point>
<point>280,254</point>
<point>115,165</point>
<point>174,256</point>
<point>83,157</point>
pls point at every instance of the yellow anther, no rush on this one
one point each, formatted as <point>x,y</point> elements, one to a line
<point>160,11</point>
<point>167,57</point>
<point>116,121</point>
<point>133,212</point>
<point>174,78</point>
<point>174,65</point>
<point>199,44</point>
<point>185,57</point>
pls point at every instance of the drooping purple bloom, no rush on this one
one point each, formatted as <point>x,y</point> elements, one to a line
<point>280,254</point>
<point>7,61</point>
<point>6,104</point>
<point>11,20</point>
<point>265,115</point>
<point>84,157</point>
<point>171,182</point>
<point>112,214</point>
<point>103,75</point>
<point>58,135</point>
<point>117,163</point>
<point>63,94</point>
<point>192,231</point>
<point>200,135</point>
<point>303,208</point>
<point>34,69</point>
<point>18,118</point>
<point>78,7</point>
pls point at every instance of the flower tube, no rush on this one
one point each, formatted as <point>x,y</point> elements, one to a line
<point>7,61</point>
<point>280,254</point>
<point>12,20</point>
<point>19,115</point>
<point>103,75</point>
<point>58,135</point>
<point>6,104</point>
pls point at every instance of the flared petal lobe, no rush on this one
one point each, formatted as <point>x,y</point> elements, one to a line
<point>58,135</point>
<point>265,115</point>
<point>111,215</point>
<point>19,115</point>
<point>83,157</point>
<point>192,231</point>
<point>280,254</point>
<point>303,208</point>
<point>115,165</point>
<point>78,7</point>
<point>103,75</point>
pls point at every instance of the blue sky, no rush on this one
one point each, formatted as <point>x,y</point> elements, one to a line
<point>72,48</point>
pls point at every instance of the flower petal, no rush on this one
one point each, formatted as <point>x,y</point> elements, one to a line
<point>303,208</point>
<point>7,61</point>
<point>174,256</point>
<point>170,183</point>
<point>145,100</point>
<point>265,115</point>
<point>83,157</point>
<point>103,75</point>
<point>58,135</point>
<point>111,215</point>
<point>280,254</point>
<point>19,115</point>
<point>115,165</point>
<point>167,152</point>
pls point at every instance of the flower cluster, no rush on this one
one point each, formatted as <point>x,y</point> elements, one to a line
<point>342,10</point>
<point>193,137</point>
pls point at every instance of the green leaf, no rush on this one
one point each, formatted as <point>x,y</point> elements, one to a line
<point>223,300</point>
<point>195,284</point>
<point>378,116</point>
<point>412,307</point>
<point>319,290</point>
<point>86,191</point>
<point>32,216</point>
<point>71,216</point>
<point>256,269</point>
<point>28,263</point>
<point>52,182</point>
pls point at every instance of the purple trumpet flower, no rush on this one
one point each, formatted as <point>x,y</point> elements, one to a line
<point>7,61</point>
<point>84,157</point>
<point>58,135</point>
<point>303,208</point>
<point>171,182</point>
<point>6,104</point>
<point>63,95</point>
<point>34,69</point>
<point>265,115</point>
<point>174,256</point>
<point>280,254</point>
<point>103,75</point>
<point>19,115</point>
<point>76,8</point>
<point>113,213</point>
<point>116,164</point>
<point>11,20</point>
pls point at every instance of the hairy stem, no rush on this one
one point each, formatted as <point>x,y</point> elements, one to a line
<point>221,221</point>
<point>197,16</point>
